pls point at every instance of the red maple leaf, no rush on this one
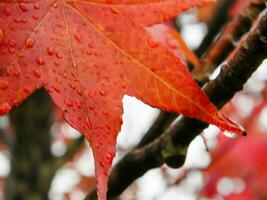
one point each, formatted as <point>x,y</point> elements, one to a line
<point>87,54</point>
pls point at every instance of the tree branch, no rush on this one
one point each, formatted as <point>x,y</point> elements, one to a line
<point>220,49</point>
<point>228,38</point>
<point>174,142</point>
<point>215,25</point>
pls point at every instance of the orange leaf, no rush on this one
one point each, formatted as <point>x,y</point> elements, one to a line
<point>87,55</point>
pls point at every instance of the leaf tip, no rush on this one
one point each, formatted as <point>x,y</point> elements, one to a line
<point>244,133</point>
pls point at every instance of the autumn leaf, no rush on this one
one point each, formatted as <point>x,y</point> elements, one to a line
<point>87,55</point>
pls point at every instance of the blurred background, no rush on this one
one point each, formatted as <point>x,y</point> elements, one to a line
<point>42,157</point>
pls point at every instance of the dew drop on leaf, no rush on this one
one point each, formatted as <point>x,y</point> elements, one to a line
<point>72,85</point>
<point>90,45</point>
<point>152,42</point>
<point>68,103</point>
<point>55,5</point>
<point>29,42</point>
<point>12,43</point>
<point>114,10</point>
<point>58,55</point>
<point>7,12</point>
<point>102,164</point>
<point>23,7</point>
<point>4,85</point>
<point>37,73</point>
<point>79,104</point>
<point>109,158</point>
<point>91,107</point>
<point>40,61</point>
<point>27,90</point>
<point>90,93</point>
<point>35,17</point>
<point>56,89</point>
<point>50,51</point>
<point>4,108</point>
<point>36,7</point>
<point>103,93</point>
<point>77,38</point>
<point>1,36</point>
<point>171,43</point>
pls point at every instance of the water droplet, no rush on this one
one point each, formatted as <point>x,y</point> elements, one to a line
<point>68,103</point>
<point>72,85</point>
<point>1,36</point>
<point>54,5</point>
<point>15,19</point>
<point>89,52</point>
<point>23,7</point>
<point>12,43</point>
<point>40,61</point>
<point>58,80</point>
<point>50,51</point>
<point>103,93</point>
<point>35,17</point>
<point>123,85</point>
<point>79,104</point>
<point>56,63</point>
<point>91,93</point>
<point>108,126</point>
<point>4,108</point>
<point>58,55</point>
<point>102,164</point>
<point>36,7</point>
<point>91,107</point>
<point>85,126</point>
<point>56,88</point>
<point>7,12</point>
<point>109,158</point>
<point>77,38</point>
<point>27,90</point>
<point>4,85</point>
<point>114,10</point>
<point>96,53</point>
<point>29,42</point>
<point>36,73</point>
<point>79,91</point>
<point>74,65</point>
<point>230,134</point>
<point>171,43</point>
<point>152,42</point>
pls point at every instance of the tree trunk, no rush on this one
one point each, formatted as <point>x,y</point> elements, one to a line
<point>29,147</point>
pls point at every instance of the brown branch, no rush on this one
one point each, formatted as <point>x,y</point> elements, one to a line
<point>215,25</point>
<point>158,127</point>
<point>228,38</point>
<point>174,142</point>
<point>220,49</point>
